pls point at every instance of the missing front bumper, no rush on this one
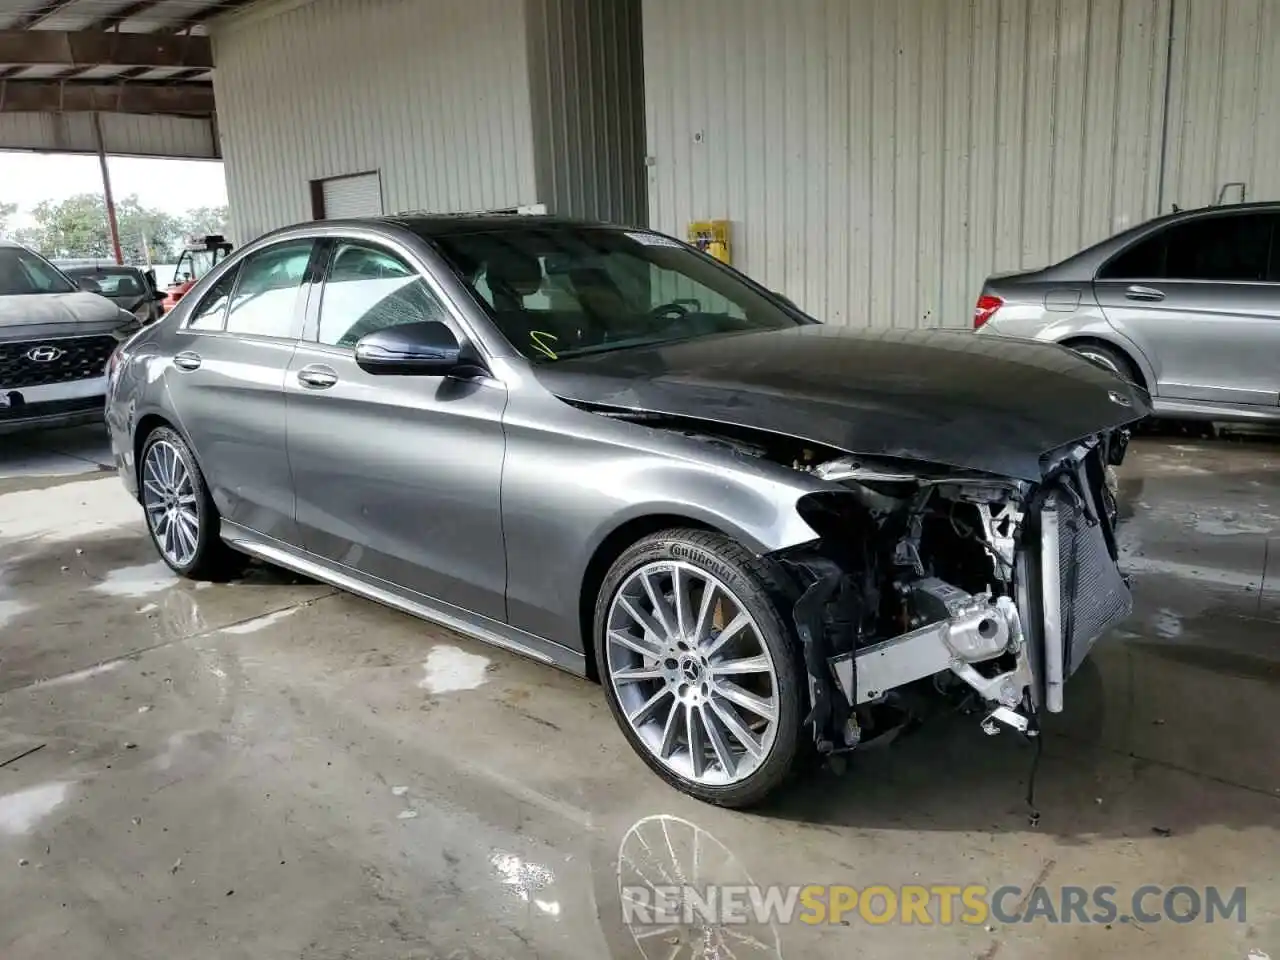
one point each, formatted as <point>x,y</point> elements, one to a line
<point>978,630</point>
<point>1068,591</point>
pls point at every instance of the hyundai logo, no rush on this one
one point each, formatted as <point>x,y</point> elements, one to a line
<point>44,354</point>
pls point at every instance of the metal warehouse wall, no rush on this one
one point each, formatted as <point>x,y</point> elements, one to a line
<point>879,157</point>
<point>587,85</point>
<point>1224,102</point>
<point>433,96</point>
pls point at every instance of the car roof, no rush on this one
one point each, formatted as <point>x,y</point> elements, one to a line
<point>1084,264</point>
<point>443,225</point>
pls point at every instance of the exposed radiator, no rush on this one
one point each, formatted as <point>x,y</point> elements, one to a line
<point>1083,592</point>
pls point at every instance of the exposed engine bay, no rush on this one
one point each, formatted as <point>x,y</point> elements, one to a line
<point>992,589</point>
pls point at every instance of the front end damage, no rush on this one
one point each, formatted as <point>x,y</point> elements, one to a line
<point>993,589</point>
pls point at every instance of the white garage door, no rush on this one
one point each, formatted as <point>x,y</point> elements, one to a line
<point>358,196</point>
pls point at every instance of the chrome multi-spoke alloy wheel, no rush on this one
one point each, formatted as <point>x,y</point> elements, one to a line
<point>692,673</point>
<point>169,498</point>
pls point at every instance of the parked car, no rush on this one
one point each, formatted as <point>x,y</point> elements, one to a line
<point>1186,305</point>
<point>612,453</point>
<point>133,289</point>
<point>55,339</point>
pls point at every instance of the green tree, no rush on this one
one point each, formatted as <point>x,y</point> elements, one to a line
<point>205,220</point>
<point>146,234</point>
<point>77,227</point>
<point>7,211</point>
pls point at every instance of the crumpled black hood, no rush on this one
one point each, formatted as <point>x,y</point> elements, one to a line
<point>949,397</point>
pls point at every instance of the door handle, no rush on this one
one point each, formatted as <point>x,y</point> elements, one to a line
<point>317,377</point>
<point>187,360</point>
<point>1148,294</point>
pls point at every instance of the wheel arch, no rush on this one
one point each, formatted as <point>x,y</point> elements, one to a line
<point>1137,361</point>
<point>147,424</point>
<point>610,548</point>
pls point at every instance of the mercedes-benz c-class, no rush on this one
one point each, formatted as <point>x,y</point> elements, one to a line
<point>606,450</point>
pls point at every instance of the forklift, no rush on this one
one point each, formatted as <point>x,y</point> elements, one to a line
<point>200,254</point>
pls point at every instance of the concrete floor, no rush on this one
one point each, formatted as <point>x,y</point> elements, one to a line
<point>273,769</point>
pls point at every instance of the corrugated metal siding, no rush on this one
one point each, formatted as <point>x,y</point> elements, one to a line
<point>587,87</point>
<point>432,96</point>
<point>1224,104</point>
<point>123,134</point>
<point>878,158</point>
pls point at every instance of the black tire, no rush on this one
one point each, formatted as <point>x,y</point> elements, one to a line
<point>767,595</point>
<point>213,559</point>
<point>1109,358</point>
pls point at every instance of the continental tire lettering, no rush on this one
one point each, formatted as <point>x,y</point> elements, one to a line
<point>708,562</point>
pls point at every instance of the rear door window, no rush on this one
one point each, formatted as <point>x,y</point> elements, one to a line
<point>265,303</point>
<point>1231,248</point>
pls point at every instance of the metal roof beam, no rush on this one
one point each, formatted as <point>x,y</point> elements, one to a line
<point>84,48</point>
<point>75,96</point>
<point>42,12</point>
<point>118,17</point>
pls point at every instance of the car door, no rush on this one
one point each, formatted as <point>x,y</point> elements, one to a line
<point>227,384</point>
<point>1199,298</point>
<point>397,477</point>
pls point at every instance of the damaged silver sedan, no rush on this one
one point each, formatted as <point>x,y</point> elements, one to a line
<point>605,450</point>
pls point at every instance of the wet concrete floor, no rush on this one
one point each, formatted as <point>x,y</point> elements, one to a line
<point>271,768</point>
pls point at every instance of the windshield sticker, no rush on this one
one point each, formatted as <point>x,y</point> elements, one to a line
<point>655,240</point>
<point>539,338</point>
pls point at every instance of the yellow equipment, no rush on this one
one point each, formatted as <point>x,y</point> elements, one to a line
<point>711,237</point>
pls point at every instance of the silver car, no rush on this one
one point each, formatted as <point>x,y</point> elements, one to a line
<point>1186,305</point>
<point>602,449</point>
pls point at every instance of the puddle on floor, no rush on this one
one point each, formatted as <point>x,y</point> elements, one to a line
<point>449,669</point>
<point>80,675</point>
<point>137,581</point>
<point>12,609</point>
<point>260,623</point>
<point>22,810</point>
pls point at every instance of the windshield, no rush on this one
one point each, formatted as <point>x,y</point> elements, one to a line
<point>113,281</point>
<point>23,273</point>
<point>563,291</point>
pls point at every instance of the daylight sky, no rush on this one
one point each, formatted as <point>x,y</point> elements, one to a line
<point>170,185</point>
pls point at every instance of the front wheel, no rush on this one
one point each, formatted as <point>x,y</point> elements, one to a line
<point>699,665</point>
<point>181,516</point>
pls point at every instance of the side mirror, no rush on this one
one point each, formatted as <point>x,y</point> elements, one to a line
<point>428,348</point>
<point>88,285</point>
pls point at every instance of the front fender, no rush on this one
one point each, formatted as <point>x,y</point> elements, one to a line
<point>597,489</point>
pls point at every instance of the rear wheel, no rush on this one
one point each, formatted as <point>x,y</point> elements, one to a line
<point>699,666</point>
<point>1108,357</point>
<point>181,516</point>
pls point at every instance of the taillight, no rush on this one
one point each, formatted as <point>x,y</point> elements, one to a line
<point>985,309</point>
